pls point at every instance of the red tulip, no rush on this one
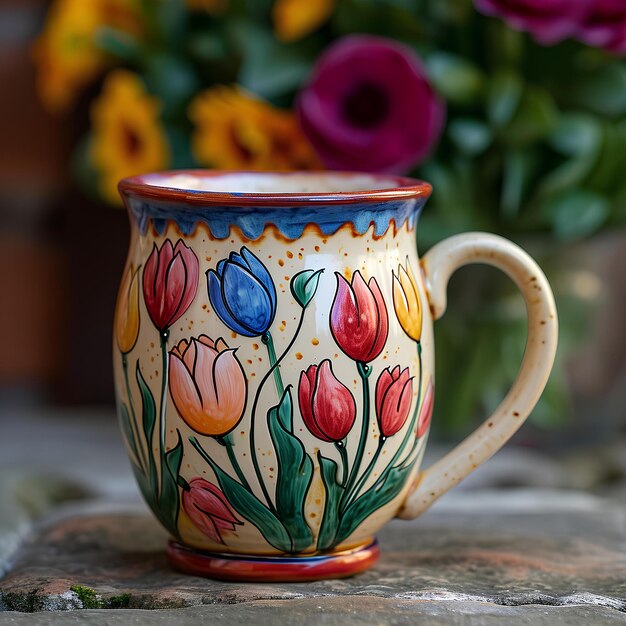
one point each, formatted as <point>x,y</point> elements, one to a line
<point>327,406</point>
<point>170,282</point>
<point>358,319</point>
<point>208,508</point>
<point>426,412</point>
<point>394,394</point>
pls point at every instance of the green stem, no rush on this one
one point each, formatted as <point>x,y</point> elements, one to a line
<point>366,474</point>
<point>364,372</point>
<point>164,335</point>
<point>278,379</point>
<point>227,442</point>
<point>343,453</point>
<point>142,456</point>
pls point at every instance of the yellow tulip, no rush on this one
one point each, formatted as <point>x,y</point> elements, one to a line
<point>127,311</point>
<point>406,301</point>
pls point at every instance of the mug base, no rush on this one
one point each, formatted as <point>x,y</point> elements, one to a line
<point>235,567</point>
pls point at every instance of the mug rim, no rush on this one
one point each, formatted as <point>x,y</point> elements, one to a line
<point>138,186</point>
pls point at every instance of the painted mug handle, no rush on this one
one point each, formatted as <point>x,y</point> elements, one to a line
<point>438,265</point>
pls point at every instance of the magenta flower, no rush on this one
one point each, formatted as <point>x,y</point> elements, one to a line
<point>605,26</point>
<point>548,21</point>
<point>368,106</point>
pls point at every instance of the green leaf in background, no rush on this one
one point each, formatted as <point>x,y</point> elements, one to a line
<point>576,213</point>
<point>535,118</point>
<point>250,507</point>
<point>334,493</point>
<point>455,78</point>
<point>169,501</point>
<point>602,90</point>
<point>294,473</point>
<point>608,171</point>
<point>118,44</point>
<point>518,167</point>
<point>270,68</point>
<point>304,285</point>
<point>148,412</point>
<point>504,95</point>
<point>171,78</point>
<point>470,136</point>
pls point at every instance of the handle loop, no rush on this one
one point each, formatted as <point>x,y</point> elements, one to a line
<point>439,264</point>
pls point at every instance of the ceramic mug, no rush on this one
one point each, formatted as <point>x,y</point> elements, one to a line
<point>274,364</point>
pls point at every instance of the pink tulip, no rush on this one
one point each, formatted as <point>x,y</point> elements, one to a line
<point>426,412</point>
<point>394,394</point>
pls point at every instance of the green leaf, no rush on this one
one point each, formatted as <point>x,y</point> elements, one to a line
<point>304,285</point>
<point>270,68</point>
<point>455,78</point>
<point>577,213</point>
<point>536,117</point>
<point>503,98</point>
<point>602,91</point>
<point>169,502</point>
<point>128,433</point>
<point>250,507</point>
<point>334,493</point>
<point>294,473</point>
<point>471,136</point>
<point>148,410</point>
<point>372,500</point>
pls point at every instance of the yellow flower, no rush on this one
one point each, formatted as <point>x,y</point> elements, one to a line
<point>66,53</point>
<point>128,138</point>
<point>235,130</point>
<point>294,19</point>
<point>127,311</point>
<point>406,301</point>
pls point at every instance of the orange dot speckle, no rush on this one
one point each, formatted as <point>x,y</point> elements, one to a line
<point>315,341</point>
<point>255,346</point>
<point>299,356</point>
<point>281,262</point>
<point>286,278</point>
<point>289,254</point>
<point>250,361</point>
<point>317,248</point>
<point>233,334</point>
<point>300,255</point>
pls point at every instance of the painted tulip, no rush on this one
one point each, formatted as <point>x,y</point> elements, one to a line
<point>208,385</point>
<point>208,509</point>
<point>604,26</point>
<point>170,282</point>
<point>327,406</point>
<point>548,21</point>
<point>394,394</point>
<point>243,294</point>
<point>358,318</point>
<point>369,106</point>
<point>127,311</point>
<point>406,301</point>
<point>426,412</point>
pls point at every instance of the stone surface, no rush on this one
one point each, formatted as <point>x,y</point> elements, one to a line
<point>535,547</point>
<point>74,535</point>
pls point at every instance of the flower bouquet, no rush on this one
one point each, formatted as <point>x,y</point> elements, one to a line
<point>515,110</point>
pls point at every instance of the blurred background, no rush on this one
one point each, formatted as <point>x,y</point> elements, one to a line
<point>516,113</point>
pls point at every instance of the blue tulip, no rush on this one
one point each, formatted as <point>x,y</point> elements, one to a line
<point>243,294</point>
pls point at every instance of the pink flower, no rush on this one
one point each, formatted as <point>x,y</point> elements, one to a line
<point>368,106</point>
<point>170,282</point>
<point>358,319</point>
<point>548,21</point>
<point>208,509</point>
<point>327,406</point>
<point>394,394</point>
<point>605,26</point>
<point>426,412</point>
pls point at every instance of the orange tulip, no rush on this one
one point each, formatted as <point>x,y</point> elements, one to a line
<point>127,311</point>
<point>208,385</point>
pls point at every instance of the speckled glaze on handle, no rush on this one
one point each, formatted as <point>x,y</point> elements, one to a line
<point>438,265</point>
